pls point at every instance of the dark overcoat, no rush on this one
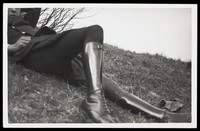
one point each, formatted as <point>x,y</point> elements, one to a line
<point>19,26</point>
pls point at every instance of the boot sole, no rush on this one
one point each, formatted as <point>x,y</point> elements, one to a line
<point>85,117</point>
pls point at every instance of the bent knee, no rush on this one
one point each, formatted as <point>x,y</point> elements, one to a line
<point>97,27</point>
<point>94,34</point>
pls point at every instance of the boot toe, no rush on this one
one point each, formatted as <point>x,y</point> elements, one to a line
<point>178,117</point>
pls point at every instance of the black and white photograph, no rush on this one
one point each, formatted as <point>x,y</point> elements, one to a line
<point>99,65</point>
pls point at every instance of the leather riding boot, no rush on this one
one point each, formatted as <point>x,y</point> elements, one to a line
<point>127,100</point>
<point>94,106</point>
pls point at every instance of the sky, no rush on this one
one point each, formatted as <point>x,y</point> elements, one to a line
<point>166,31</point>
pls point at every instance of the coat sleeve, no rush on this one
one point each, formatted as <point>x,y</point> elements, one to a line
<point>32,15</point>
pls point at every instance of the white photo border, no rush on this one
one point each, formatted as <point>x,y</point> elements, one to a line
<point>193,124</point>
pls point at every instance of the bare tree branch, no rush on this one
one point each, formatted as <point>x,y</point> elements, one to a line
<point>58,19</point>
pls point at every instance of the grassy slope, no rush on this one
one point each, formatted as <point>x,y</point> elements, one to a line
<point>39,98</point>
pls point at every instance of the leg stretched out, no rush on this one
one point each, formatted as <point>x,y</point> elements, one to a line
<point>116,94</point>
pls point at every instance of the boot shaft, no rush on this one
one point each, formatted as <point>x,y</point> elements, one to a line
<point>92,61</point>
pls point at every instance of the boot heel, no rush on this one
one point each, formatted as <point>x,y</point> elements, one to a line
<point>84,116</point>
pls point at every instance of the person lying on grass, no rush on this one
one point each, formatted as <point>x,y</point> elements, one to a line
<point>76,54</point>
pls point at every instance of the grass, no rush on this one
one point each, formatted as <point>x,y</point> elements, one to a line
<point>40,98</point>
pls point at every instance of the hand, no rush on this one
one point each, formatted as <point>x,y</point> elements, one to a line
<point>21,42</point>
<point>23,14</point>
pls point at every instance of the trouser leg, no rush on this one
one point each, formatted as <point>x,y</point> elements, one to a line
<point>55,58</point>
